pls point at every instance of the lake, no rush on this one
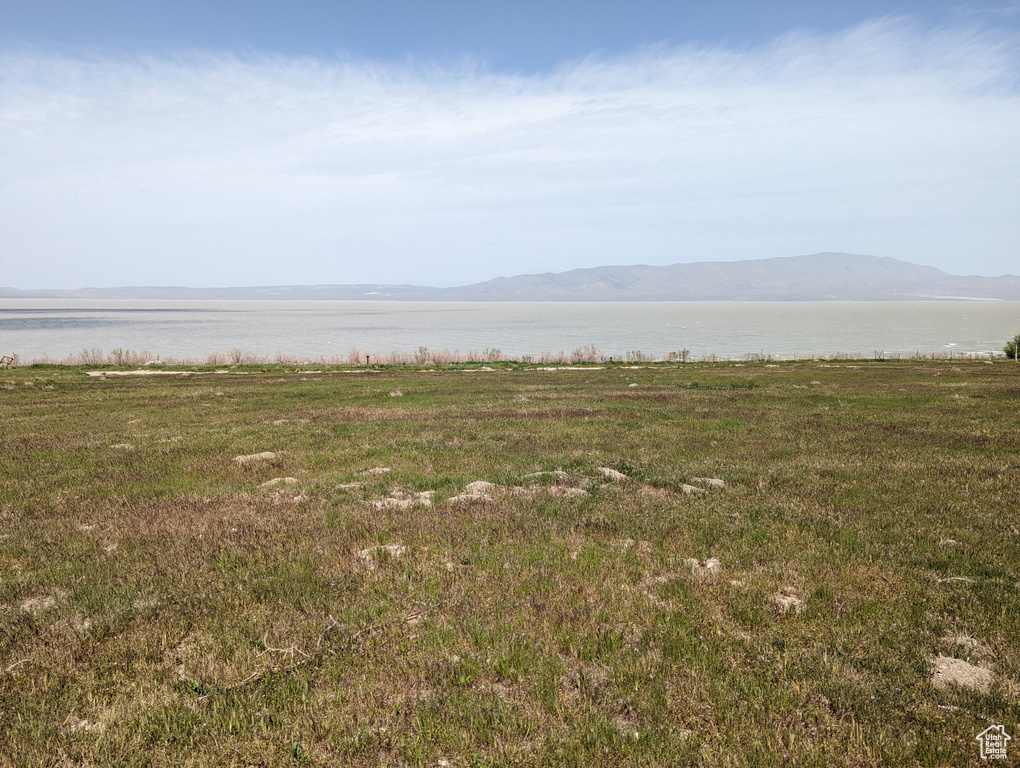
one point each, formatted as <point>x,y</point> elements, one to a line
<point>43,329</point>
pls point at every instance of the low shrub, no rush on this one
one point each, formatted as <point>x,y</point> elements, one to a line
<point>1012,348</point>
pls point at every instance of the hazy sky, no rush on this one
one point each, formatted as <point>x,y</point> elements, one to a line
<point>442,143</point>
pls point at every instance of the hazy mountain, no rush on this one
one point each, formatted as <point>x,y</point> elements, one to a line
<point>294,292</point>
<point>819,277</point>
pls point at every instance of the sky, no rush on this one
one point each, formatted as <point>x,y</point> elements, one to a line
<point>442,143</point>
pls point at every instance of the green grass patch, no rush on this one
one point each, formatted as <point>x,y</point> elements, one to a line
<point>354,600</point>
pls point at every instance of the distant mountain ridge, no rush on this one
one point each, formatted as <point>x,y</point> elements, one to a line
<point>818,277</point>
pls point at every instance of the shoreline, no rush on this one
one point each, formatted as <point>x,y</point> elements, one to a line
<point>150,363</point>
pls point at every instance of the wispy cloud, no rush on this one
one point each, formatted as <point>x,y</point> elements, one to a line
<point>214,169</point>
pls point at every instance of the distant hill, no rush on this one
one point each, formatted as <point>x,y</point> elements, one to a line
<point>819,277</point>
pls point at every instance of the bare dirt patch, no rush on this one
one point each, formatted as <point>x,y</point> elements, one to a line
<point>144,372</point>
<point>369,558</point>
<point>279,481</point>
<point>948,671</point>
<point>556,474</point>
<point>709,482</point>
<point>480,490</point>
<point>704,569</point>
<point>74,624</point>
<point>255,457</point>
<point>402,500</point>
<point>39,603</point>
<point>787,601</point>
<point>79,725</point>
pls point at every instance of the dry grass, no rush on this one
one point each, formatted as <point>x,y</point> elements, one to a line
<point>166,605</point>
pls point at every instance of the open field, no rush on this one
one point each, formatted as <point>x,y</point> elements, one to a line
<point>273,565</point>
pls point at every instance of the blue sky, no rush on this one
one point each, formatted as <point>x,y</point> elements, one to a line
<point>242,143</point>
<point>516,35</point>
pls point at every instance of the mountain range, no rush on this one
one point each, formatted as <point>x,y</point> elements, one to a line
<point>818,277</point>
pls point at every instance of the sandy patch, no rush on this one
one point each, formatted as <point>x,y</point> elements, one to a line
<point>145,372</point>
<point>787,601</point>
<point>704,569</point>
<point>279,481</point>
<point>39,604</point>
<point>480,490</point>
<point>947,671</point>
<point>72,624</point>
<point>643,549</point>
<point>254,457</point>
<point>282,497</point>
<point>78,725</point>
<point>525,491</point>
<point>377,471</point>
<point>557,474</point>
<point>123,446</point>
<point>145,603</point>
<point>628,729</point>
<point>480,487</point>
<point>401,500</point>
<point>369,558</point>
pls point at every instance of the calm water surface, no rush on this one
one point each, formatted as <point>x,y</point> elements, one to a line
<point>38,329</point>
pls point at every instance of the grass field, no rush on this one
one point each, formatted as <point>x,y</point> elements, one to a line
<point>163,602</point>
